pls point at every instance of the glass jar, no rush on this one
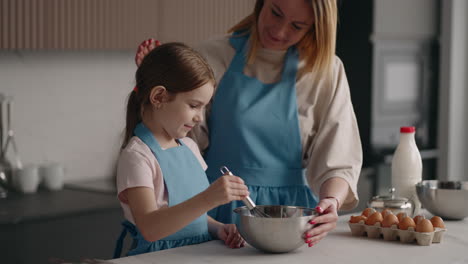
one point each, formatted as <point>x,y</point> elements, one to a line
<point>393,203</point>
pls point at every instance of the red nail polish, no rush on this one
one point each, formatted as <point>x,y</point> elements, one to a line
<point>318,208</point>
<point>308,235</point>
<point>310,244</point>
<point>308,241</point>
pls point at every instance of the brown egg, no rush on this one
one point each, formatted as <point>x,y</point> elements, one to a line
<point>389,220</point>
<point>368,211</point>
<point>418,218</point>
<point>356,219</point>
<point>385,212</point>
<point>400,216</point>
<point>406,223</point>
<point>374,218</point>
<point>437,222</point>
<point>424,226</point>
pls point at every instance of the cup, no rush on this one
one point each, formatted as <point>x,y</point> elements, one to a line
<point>26,180</point>
<point>52,175</point>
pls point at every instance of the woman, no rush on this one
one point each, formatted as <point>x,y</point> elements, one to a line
<point>281,117</point>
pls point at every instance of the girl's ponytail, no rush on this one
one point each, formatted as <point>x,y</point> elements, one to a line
<point>133,116</point>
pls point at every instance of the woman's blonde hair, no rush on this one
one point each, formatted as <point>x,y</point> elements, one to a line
<point>317,47</point>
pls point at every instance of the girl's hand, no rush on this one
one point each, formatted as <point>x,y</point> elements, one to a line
<point>322,224</point>
<point>144,48</point>
<point>231,237</point>
<point>225,189</point>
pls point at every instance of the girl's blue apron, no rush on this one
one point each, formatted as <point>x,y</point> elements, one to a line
<point>254,131</point>
<point>184,178</point>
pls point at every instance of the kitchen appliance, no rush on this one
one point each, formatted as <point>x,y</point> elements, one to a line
<point>9,156</point>
<point>3,178</point>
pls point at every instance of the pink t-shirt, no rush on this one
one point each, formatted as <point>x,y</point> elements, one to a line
<point>138,167</point>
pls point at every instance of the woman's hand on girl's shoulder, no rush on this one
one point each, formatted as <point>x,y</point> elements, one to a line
<point>144,48</point>
<point>230,235</point>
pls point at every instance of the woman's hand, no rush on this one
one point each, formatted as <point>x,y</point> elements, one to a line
<point>231,237</point>
<point>225,189</point>
<point>144,48</point>
<point>325,222</point>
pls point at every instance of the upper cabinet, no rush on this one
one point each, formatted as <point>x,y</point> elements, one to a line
<point>113,24</point>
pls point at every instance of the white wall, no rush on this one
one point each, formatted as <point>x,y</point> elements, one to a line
<point>69,107</point>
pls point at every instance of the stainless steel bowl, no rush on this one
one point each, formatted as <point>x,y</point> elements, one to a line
<point>446,199</point>
<point>280,233</point>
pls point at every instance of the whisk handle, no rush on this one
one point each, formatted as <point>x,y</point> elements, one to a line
<point>247,201</point>
<point>225,170</point>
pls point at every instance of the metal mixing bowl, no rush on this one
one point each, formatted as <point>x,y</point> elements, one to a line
<point>446,199</point>
<point>282,232</point>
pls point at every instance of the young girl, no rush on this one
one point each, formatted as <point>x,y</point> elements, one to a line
<point>161,180</point>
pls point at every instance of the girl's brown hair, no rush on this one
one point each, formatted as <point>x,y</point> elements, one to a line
<point>317,47</point>
<point>175,66</point>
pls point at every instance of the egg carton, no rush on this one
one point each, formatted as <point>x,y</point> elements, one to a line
<point>393,233</point>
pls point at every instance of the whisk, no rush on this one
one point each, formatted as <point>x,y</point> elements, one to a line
<point>247,200</point>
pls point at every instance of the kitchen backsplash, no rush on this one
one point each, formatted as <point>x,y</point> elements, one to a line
<point>69,107</point>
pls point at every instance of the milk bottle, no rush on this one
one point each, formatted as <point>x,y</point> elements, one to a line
<point>407,166</point>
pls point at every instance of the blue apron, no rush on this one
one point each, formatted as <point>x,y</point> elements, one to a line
<point>254,131</point>
<point>184,178</point>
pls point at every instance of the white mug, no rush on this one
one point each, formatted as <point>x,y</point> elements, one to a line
<point>52,175</point>
<point>26,179</point>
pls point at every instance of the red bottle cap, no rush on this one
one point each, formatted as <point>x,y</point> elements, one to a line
<point>411,129</point>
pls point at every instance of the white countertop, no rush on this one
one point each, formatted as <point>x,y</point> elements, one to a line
<point>338,247</point>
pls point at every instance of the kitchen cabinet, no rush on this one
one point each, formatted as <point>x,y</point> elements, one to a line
<point>67,225</point>
<point>71,25</point>
<point>113,24</point>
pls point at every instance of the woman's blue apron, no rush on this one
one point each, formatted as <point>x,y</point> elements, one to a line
<point>184,178</point>
<point>254,131</point>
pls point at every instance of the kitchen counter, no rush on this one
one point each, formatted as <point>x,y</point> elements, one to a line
<point>338,247</point>
<point>18,208</point>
